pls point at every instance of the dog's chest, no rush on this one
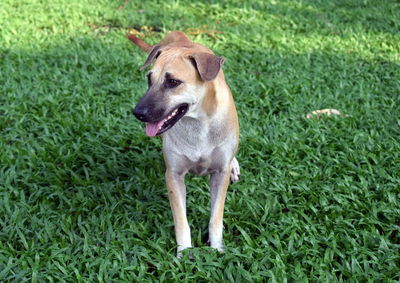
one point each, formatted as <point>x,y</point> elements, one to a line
<point>197,149</point>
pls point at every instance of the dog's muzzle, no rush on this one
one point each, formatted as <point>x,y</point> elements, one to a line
<point>141,113</point>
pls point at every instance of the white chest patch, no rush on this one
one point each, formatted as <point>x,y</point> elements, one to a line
<point>191,145</point>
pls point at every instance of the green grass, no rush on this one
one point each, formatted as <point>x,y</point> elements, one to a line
<point>82,195</point>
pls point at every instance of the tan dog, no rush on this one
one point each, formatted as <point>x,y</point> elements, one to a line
<point>189,103</point>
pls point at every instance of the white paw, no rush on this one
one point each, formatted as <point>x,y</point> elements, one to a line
<point>180,250</point>
<point>235,171</point>
<point>216,245</point>
<point>215,239</point>
<point>219,248</point>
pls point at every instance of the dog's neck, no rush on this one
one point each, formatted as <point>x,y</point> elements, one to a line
<point>214,102</point>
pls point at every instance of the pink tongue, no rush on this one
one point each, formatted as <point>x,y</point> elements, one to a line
<point>152,128</point>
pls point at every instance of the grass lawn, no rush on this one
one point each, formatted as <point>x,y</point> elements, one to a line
<point>82,194</point>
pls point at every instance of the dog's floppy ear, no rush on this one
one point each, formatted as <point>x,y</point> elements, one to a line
<point>153,55</point>
<point>207,64</point>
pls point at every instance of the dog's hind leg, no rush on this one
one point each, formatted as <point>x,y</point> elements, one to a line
<point>235,170</point>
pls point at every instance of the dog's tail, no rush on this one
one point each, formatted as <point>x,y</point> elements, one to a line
<point>139,42</point>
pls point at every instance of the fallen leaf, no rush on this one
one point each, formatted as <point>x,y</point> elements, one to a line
<point>318,113</point>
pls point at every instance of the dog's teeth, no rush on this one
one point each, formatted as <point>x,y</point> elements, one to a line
<point>170,116</point>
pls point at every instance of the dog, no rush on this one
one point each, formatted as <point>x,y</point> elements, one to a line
<point>190,105</point>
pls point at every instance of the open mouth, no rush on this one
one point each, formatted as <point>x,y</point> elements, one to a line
<point>157,128</point>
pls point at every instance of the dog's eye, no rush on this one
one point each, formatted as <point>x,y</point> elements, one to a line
<point>171,83</point>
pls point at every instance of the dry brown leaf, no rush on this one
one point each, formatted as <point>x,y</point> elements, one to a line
<point>203,30</point>
<point>323,112</point>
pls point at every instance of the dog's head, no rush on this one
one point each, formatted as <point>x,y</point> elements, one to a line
<point>177,83</point>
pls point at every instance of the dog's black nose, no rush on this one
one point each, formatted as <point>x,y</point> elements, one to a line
<point>140,113</point>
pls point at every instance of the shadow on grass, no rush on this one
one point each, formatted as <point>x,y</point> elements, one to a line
<point>66,120</point>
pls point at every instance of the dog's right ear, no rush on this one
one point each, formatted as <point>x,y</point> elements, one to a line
<point>153,55</point>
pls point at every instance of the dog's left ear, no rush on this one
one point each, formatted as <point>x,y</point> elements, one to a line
<point>208,65</point>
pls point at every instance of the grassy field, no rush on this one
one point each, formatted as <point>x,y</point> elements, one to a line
<point>82,195</point>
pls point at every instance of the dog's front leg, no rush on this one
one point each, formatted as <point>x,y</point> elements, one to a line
<point>177,197</point>
<point>219,185</point>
